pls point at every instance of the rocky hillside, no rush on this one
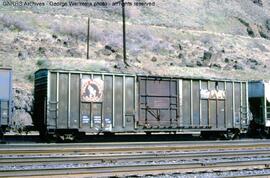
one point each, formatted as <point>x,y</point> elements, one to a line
<point>210,38</point>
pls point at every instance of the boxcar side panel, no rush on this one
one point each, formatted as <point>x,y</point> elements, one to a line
<point>5,84</point>
<point>74,101</point>
<point>221,108</point>
<point>52,111</point>
<point>244,105</point>
<point>204,105</point>
<point>196,102</point>
<point>186,103</point>
<point>5,96</point>
<point>256,89</point>
<point>213,104</point>
<point>108,103</point>
<point>103,102</point>
<point>237,103</point>
<point>97,110</point>
<point>118,103</point>
<point>85,107</point>
<point>62,121</point>
<point>129,103</point>
<point>229,104</point>
<point>75,105</point>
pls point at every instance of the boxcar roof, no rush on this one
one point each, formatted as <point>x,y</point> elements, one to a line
<point>144,75</point>
<point>259,81</point>
<point>5,68</point>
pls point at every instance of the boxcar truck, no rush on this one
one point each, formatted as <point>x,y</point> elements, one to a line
<point>5,98</point>
<point>259,100</point>
<point>70,102</point>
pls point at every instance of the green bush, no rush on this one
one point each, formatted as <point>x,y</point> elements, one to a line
<point>31,77</point>
<point>42,63</point>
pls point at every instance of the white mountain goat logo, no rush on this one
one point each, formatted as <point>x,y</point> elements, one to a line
<point>92,90</point>
<point>213,94</point>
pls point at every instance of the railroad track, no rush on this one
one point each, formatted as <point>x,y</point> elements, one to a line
<point>126,159</point>
<point>130,146</point>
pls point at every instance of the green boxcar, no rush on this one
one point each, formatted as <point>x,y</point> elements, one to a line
<point>91,102</point>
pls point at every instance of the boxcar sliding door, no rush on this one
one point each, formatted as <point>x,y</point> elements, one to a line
<point>158,102</point>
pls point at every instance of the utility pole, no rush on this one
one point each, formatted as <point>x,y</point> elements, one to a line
<point>88,37</point>
<point>124,33</point>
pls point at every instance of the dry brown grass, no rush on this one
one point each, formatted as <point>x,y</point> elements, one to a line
<point>144,41</point>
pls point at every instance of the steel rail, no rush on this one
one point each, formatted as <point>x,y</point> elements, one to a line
<point>52,159</point>
<point>131,159</point>
<point>129,170</point>
<point>148,143</point>
<point>123,148</point>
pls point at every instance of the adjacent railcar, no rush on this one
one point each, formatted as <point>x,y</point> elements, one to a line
<point>259,100</point>
<point>76,101</point>
<point>5,98</point>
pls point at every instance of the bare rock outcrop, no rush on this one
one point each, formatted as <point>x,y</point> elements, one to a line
<point>22,108</point>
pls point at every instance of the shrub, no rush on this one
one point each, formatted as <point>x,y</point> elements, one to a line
<point>15,23</point>
<point>31,77</point>
<point>42,63</point>
<point>74,29</point>
<point>96,34</point>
